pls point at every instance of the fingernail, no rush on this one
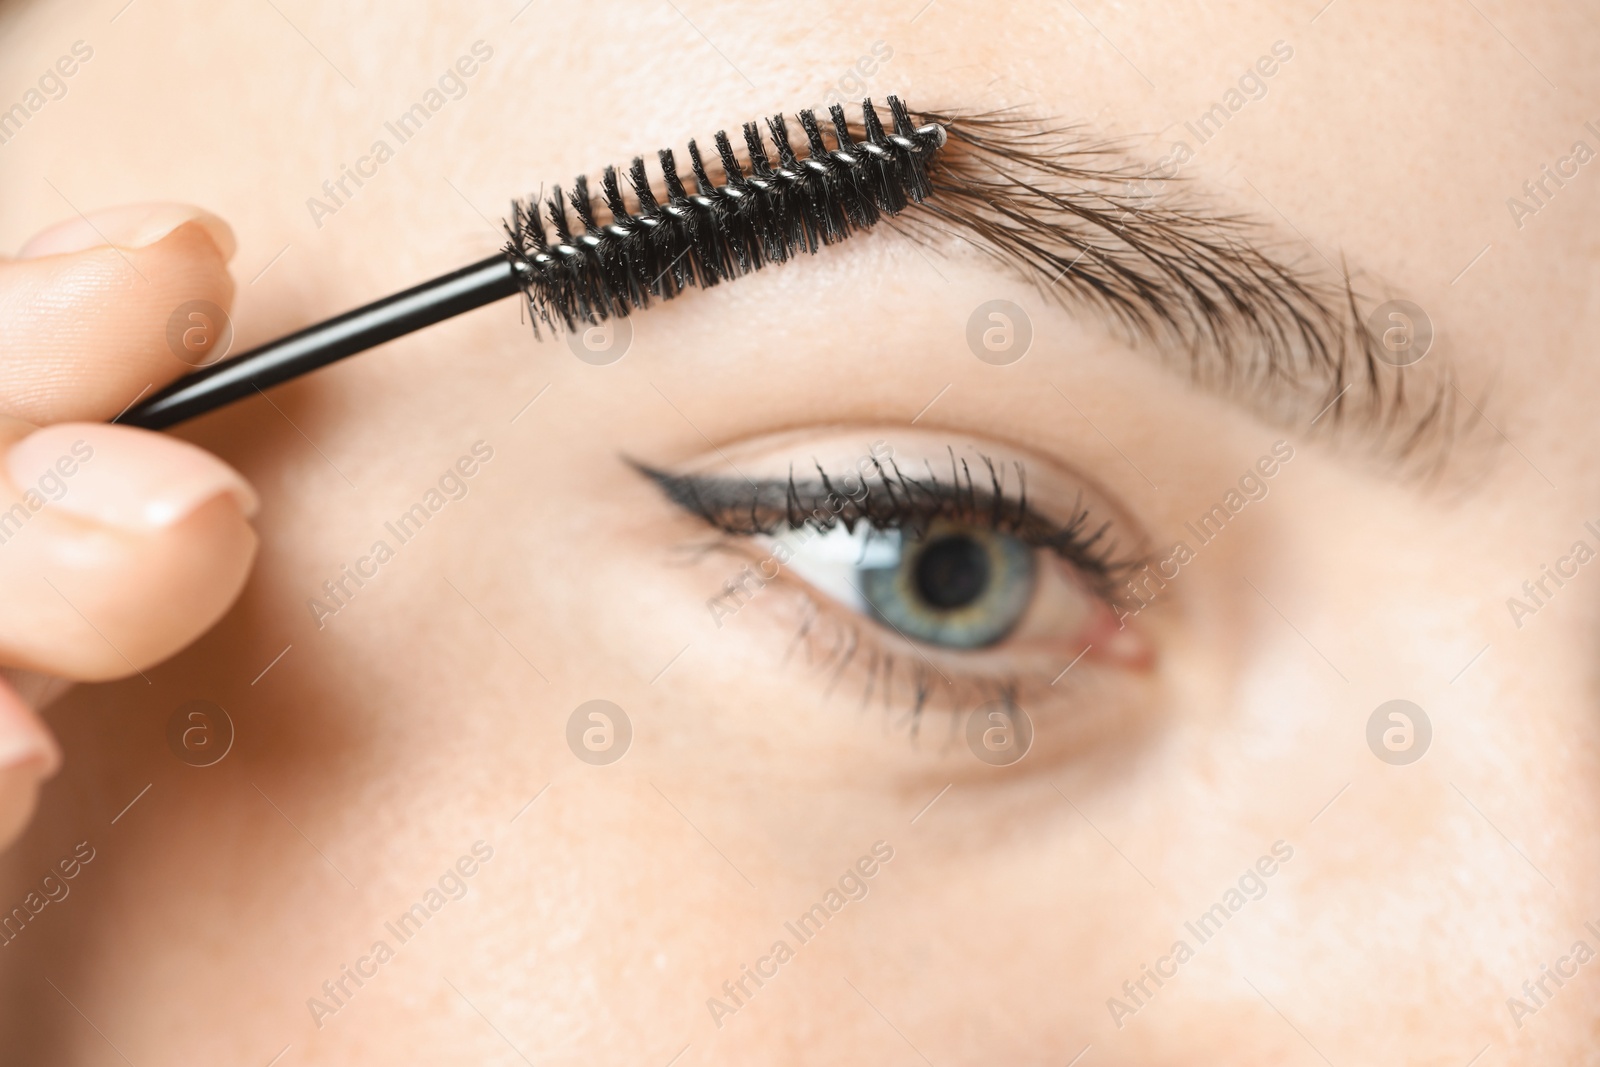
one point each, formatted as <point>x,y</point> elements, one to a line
<point>129,226</point>
<point>120,476</point>
<point>40,756</point>
<point>23,738</point>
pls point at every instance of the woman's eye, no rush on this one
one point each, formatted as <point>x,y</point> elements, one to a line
<point>952,584</point>
<point>963,559</point>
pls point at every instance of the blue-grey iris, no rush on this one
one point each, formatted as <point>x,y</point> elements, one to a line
<point>956,585</point>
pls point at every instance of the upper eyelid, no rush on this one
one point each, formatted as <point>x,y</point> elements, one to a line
<point>749,508</point>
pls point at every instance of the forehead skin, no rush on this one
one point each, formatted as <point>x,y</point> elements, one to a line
<point>1414,906</point>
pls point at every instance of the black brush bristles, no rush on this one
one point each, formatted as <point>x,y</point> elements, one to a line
<point>765,211</point>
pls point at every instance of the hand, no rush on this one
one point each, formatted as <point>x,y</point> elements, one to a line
<point>117,546</point>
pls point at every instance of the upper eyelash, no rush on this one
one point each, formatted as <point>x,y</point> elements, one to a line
<point>891,499</point>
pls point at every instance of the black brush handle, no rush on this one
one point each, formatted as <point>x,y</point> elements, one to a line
<point>316,346</point>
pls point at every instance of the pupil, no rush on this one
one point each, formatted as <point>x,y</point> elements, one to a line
<point>952,572</point>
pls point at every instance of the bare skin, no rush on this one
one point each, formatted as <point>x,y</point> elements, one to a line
<point>410,738</point>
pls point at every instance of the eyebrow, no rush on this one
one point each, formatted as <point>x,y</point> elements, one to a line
<point>1095,227</point>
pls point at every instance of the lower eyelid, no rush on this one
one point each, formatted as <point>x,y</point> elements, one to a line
<point>1029,660</point>
<point>867,683</point>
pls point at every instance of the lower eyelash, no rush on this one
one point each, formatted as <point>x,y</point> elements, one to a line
<point>850,658</point>
<point>831,645</point>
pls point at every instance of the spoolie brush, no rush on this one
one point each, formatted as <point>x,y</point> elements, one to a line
<point>764,212</point>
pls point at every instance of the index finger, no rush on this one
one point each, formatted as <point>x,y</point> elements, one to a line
<point>111,306</point>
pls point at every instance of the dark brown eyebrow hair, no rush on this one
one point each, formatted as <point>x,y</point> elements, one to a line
<point>1093,226</point>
